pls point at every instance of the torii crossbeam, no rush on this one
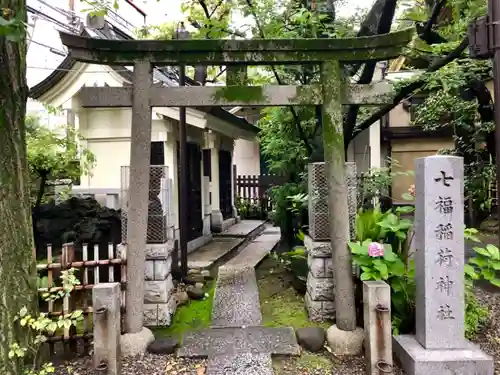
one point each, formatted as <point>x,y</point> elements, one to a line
<point>331,94</point>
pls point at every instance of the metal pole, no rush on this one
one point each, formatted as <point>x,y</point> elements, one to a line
<point>183,176</point>
<point>494,19</point>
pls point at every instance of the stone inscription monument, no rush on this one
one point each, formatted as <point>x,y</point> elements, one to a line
<point>439,345</point>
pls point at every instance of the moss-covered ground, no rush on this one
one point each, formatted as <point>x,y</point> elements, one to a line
<point>193,316</point>
<point>283,306</point>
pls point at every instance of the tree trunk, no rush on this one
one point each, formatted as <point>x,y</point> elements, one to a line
<point>17,264</point>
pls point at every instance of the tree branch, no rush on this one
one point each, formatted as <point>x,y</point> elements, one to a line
<point>295,116</point>
<point>426,32</point>
<point>205,8</point>
<point>405,91</point>
<point>216,7</point>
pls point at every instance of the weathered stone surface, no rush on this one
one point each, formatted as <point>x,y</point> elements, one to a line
<point>199,285</point>
<point>345,342</point>
<point>319,311</point>
<point>439,262</point>
<point>243,228</point>
<point>236,299</point>
<point>159,251</point>
<point>318,249</point>
<point>216,341</point>
<point>240,364</point>
<point>166,345</point>
<point>159,314</point>
<point>132,344</point>
<point>320,267</point>
<point>311,338</point>
<point>158,291</point>
<point>207,255</point>
<point>377,325</point>
<point>256,250</point>
<point>320,289</point>
<point>415,360</point>
<point>181,298</point>
<point>195,292</point>
<point>157,269</point>
<point>107,331</point>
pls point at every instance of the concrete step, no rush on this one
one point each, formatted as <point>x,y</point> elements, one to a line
<point>221,341</point>
<point>253,253</point>
<point>240,364</point>
<point>242,229</point>
<point>217,250</point>
<point>236,298</point>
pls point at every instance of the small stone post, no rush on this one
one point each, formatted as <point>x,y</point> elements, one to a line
<point>378,327</point>
<point>106,318</point>
<point>439,345</point>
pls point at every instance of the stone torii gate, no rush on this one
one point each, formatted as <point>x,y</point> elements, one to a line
<point>330,94</point>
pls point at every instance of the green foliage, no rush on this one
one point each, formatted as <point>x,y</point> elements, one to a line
<point>396,268</point>
<point>281,204</point>
<point>41,326</point>
<point>484,265</point>
<point>476,315</point>
<point>54,154</point>
<point>377,181</point>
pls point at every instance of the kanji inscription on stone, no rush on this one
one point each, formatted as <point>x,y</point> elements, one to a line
<point>440,256</point>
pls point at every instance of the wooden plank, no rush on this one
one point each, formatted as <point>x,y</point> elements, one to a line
<point>254,96</point>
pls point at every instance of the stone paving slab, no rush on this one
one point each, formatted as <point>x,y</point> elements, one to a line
<point>207,255</point>
<point>242,229</point>
<point>252,254</point>
<point>236,298</point>
<point>219,341</point>
<point>240,364</point>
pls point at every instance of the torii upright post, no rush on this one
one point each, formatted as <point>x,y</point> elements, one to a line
<point>331,95</point>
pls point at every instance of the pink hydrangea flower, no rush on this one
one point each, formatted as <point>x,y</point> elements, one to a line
<point>411,190</point>
<point>375,249</point>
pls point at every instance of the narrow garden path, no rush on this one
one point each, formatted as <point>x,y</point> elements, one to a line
<point>237,343</point>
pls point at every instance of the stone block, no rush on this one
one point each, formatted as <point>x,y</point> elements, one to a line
<point>158,291</point>
<point>159,314</point>
<point>439,262</point>
<point>320,267</point>
<point>319,311</point>
<point>318,249</point>
<point>157,269</point>
<point>216,221</point>
<point>106,323</point>
<point>159,251</point>
<point>416,360</point>
<point>320,289</point>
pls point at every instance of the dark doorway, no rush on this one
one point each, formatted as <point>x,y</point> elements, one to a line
<point>194,192</point>
<point>226,207</point>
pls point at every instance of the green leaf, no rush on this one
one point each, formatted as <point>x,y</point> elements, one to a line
<point>381,267</point>
<point>389,255</point>
<point>494,252</point>
<point>495,282</point>
<point>482,251</point>
<point>397,268</point>
<point>470,271</point>
<point>488,275</point>
<point>405,209</point>
<point>23,312</point>
<point>365,276</point>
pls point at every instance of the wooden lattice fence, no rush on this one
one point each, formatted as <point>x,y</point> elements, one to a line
<point>92,264</point>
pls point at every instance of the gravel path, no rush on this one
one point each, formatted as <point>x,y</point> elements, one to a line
<point>149,364</point>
